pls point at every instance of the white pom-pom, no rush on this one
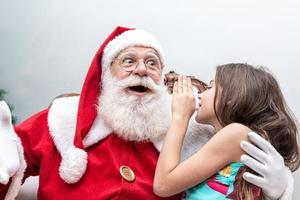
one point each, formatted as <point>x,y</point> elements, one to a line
<point>73,165</point>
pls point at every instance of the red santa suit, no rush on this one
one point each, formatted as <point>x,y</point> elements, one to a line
<point>77,156</point>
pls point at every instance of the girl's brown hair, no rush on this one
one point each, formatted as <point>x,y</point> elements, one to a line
<point>251,96</point>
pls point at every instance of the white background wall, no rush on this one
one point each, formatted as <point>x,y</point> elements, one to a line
<point>46,46</point>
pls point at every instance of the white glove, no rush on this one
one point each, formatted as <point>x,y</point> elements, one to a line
<point>9,158</point>
<point>267,163</point>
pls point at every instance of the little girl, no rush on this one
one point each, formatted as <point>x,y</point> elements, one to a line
<point>241,99</point>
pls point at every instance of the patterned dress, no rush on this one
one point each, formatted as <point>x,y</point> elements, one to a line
<point>217,187</point>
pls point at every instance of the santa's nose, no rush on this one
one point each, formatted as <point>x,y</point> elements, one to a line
<point>140,70</point>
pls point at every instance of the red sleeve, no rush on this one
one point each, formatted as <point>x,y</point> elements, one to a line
<point>3,190</point>
<point>33,133</point>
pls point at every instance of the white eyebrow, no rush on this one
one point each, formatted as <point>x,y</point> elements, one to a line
<point>127,52</point>
<point>152,52</point>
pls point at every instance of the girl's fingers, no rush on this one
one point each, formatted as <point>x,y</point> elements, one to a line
<point>184,84</point>
<point>175,88</point>
<point>180,84</point>
<point>190,86</point>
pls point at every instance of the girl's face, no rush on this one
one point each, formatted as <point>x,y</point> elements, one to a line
<point>205,112</point>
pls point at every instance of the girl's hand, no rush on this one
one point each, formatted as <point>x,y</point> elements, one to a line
<point>183,101</point>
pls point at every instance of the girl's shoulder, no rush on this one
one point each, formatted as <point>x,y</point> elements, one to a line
<point>231,137</point>
<point>234,131</point>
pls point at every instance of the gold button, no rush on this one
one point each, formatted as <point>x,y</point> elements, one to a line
<point>127,173</point>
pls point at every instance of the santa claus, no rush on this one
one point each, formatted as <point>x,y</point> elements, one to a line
<point>104,143</point>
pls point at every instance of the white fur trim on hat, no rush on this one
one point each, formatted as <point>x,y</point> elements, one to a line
<point>74,160</point>
<point>128,39</point>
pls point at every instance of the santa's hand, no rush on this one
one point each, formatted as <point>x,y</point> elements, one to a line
<point>267,163</point>
<point>9,158</point>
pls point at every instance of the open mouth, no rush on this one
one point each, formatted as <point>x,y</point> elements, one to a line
<point>139,89</point>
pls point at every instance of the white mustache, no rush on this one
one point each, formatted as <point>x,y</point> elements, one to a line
<point>134,80</point>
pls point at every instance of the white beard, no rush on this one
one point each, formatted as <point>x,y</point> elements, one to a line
<point>131,117</point>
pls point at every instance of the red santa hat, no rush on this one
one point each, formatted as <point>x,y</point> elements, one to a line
<point>74,158</point>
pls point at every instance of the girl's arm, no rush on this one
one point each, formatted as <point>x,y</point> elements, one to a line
<point>171,176</point>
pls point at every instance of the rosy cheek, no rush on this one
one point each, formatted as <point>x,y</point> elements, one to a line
<point>124,75</point>
<point>119,74</point>
<point>156,79</point>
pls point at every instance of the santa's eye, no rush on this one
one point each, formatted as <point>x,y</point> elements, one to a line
<point>127,61</point>
<point>151,62</point>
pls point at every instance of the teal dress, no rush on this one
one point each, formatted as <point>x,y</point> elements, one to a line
<point>218,187</point>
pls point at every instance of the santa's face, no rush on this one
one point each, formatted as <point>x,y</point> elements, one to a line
<point>133,101</point>
<point>138,61</point>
